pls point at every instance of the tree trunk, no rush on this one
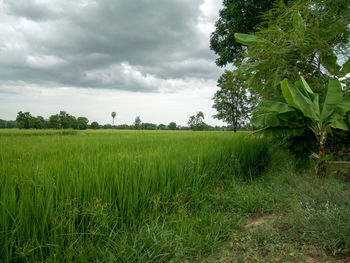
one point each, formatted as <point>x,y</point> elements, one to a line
<point>321,169</point>
<point>234,120</point>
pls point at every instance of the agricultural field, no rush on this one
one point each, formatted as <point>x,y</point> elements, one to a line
<point>162,196</point>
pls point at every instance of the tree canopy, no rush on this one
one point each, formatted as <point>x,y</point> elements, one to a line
<point>310,38</point>
<point>232,101</point>
<point>235,16</point>
<point>137,122</point>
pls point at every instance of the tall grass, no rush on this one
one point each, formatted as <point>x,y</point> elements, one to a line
<point>60,193</point>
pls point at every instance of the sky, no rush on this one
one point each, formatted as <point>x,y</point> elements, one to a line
<point>147,58</point>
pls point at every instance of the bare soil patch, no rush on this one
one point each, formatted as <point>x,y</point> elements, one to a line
<point>315,255</point>
<point>255,222</point>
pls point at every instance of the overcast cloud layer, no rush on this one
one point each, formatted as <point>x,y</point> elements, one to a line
<point>148,46</point>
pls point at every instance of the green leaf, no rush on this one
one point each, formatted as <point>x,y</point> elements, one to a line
<point>276,78</point>
<point>276,106</point>
<point>266,119</point>
<point>346,68</point>
<point>329,61</point>
<point>344,106</point>
<point>278,132</point>
<point>306,86</point>
<point>337,26</point>
<point>295,98</point>
<point>340,124</point>
<point>333,96</point>
<point>246,39</point>
<point>298,21</point>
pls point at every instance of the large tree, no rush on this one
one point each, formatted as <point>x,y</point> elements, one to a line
<point>38,123</point>
<point>235,16</point>
<point>232,101</point>
<point>307,37</point>
<point>54,121</point>
<point>82,123</point>
<point>94,125</point>
<point>23,120</point>
<point>196,122</point>
<point>172,125</point>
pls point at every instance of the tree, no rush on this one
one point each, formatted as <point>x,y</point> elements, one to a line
<point>11,124</point>
<point>94,125</point>
<point>162,127</point>
<point>38,123</point>
<point>305,38</point>
<point>172,125</point>
<point>196,123</point>
<point>113,115</point>
<point>235,16</point>
<point>137,122</point>
<point>232,101</point>
<point>54,122</point>
<point>7,124</point>
<point>304,109</point>
<point>148,126</point>
<point>66,120</point>
<point>82,123</point>
<point>23,120</point>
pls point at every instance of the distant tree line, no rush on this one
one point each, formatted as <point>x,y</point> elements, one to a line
<point>64,120</point>
<point>7,124</point>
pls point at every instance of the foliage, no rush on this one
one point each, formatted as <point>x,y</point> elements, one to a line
<point>235,16</point>
<point>82,123</point>
<point>27,121</point>
<point>66,120</point>
<point>54,122</point>
<point>232,101</point>
<point>340,140</point>
<point>305,38</point>
<point>23,120</point>
<point>137,122</point>
<point>162,127</point>
<point>113,114</point>
<point>172,126</point>
<point>305,109</point>
<point>7,124</point>
<point>57,121</point>
<point>94,125</point>
<point>196,122</point>
<point>148,126</point>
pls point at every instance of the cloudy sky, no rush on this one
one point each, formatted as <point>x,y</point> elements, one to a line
<point>90,57</point>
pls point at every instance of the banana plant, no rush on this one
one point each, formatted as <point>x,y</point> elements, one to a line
<point>301,109</point>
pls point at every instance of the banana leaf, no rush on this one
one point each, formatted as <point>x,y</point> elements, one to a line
<point>333,97</point>
<point>298,100</point>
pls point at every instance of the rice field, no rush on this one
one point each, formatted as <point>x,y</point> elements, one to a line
<point>60,190</point>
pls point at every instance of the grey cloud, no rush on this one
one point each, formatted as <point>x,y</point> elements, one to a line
<point>28,9</point>
<point>88,43</point>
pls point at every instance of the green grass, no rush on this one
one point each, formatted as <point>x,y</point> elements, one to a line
<point>78,196</point>
<point>162,196</point>
<point>306,212</point>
